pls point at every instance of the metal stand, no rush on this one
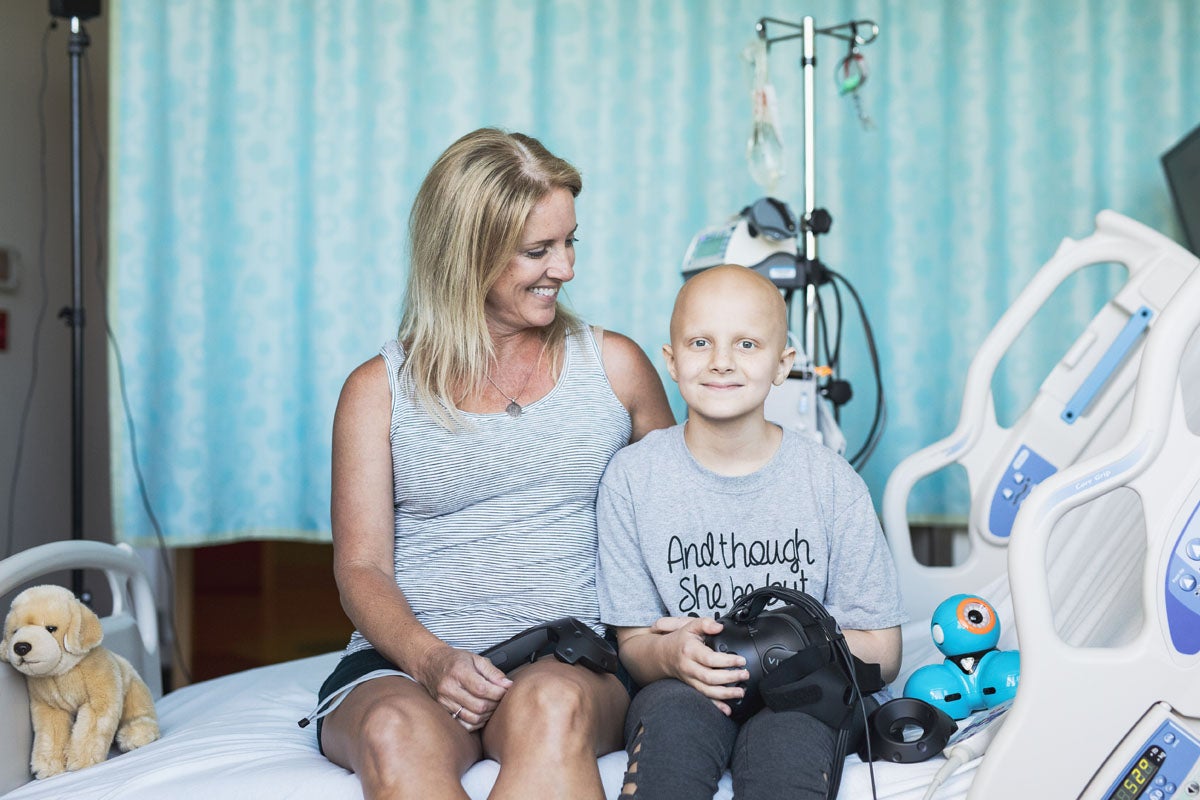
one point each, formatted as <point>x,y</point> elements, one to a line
<point>73,315</point>
<point>815,221</point>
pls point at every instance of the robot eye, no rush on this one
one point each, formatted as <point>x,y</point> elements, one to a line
<point>976,616</point>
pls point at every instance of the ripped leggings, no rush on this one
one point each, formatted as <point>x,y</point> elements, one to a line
<point>679,745</point>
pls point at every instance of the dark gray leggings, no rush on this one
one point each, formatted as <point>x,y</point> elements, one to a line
<point>679,744</point>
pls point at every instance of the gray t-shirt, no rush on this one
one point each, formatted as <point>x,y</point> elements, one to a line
<point>678,539</point>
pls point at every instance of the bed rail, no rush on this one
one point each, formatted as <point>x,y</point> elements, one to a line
<point>1081,408</point>
<point>1083,707</point>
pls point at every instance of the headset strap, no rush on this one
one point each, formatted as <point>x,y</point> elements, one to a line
<point>754,603</point>
<point>814,682</point>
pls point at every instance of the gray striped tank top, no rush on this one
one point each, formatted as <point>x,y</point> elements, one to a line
<point>496,526</point>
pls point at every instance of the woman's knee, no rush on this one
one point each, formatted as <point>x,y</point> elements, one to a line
<point>554,703</point>
<point>394,733</point>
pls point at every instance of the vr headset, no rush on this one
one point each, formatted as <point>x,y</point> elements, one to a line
<point>798,660</point>
<point>796,656</point>
<point>570,640</point>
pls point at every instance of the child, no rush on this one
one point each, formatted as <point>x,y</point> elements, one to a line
<point>693,517</point>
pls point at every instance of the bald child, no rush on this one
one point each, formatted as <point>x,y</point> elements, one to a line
<point>693,517</point>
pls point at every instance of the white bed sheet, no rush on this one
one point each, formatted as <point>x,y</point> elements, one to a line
<point>236,736</point>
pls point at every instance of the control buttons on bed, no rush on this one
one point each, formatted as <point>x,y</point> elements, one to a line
<point>1182,598</point>
<point>1026,470</point>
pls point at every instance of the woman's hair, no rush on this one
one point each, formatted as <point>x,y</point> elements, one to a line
<point>465,227</point>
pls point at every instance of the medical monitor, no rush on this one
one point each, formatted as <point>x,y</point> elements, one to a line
<point>1182,167</point>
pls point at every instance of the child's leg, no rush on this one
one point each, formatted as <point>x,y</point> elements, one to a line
<point>786,754</point>
<point>678,743</point>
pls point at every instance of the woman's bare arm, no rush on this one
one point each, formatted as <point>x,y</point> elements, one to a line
<point>637,385</point>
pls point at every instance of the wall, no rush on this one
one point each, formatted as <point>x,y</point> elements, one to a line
<point>43,497</point>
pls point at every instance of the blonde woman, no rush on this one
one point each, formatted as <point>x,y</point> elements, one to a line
<point>466,459</point>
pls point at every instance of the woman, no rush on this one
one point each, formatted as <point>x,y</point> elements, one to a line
<point>466,458</point>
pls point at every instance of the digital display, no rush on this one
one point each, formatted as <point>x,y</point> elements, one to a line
<point>713,245</point>
<point>1134,782</point>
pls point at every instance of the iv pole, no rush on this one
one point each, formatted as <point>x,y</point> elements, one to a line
<point>73,316</point>
<point>815,221</point>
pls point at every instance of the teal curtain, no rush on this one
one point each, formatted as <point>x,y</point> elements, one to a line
<point>266,154</point>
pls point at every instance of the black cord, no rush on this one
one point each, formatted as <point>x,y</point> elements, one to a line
<point>43,224</point>
<point>879,420</point>
<point>843,649</point>
<point>840,648</point>
<point>835,357</point>
<point>102,282</point>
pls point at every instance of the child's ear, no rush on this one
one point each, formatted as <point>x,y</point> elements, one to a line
<point>786,359</point>
<point>669,357</point>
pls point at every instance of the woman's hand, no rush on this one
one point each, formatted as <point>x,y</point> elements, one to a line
<point>468,686</point>
<point>685,656</point>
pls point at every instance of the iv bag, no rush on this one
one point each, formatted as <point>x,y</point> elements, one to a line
<point>764,149</point>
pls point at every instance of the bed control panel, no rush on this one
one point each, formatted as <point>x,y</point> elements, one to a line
<point>1026,470</point>
<point>1165,767</point>
<point>1182,593</point>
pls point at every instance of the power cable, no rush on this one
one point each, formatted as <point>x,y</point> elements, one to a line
<point>879,419</point>
<point>102,283</point>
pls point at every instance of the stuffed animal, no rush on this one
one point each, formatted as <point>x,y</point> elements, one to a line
<point>81,695</point>
<point>975,675</point>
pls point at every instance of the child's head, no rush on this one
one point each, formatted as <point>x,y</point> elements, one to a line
<point>729,342</point>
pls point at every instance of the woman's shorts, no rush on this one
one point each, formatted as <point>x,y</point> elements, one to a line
<point>354,669</point>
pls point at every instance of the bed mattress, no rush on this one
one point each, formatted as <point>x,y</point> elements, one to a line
<point>236,736</point>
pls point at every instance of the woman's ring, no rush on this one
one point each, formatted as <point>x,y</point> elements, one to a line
<point>456,713</point>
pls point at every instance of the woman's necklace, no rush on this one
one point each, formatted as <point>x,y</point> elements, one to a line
<point>513,409</point>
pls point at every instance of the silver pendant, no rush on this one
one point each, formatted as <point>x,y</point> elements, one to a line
<point>512,409</point>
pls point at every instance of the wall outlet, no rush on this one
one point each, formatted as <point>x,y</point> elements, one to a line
<point>10,268</point>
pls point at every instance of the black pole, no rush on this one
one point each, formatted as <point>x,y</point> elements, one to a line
<point>74,315</point>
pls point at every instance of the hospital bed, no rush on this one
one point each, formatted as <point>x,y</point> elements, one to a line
<point>1108,637</point>
<point>1081,408</point>
<point>236,736</point>
<point>1122,678</point>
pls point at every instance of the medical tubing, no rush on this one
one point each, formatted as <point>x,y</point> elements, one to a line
<point>972,745</point>
<point>956,759</point>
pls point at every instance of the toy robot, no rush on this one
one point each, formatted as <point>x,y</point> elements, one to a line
<point>974,675</point>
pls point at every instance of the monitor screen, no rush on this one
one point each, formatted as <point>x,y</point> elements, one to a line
<point>1182,166</point>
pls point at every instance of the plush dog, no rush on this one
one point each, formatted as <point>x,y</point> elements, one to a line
<point>81,695</point>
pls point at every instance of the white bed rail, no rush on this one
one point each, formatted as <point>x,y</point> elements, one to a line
<point>1066,736</point>
<point>131,630</point>
<point>1081,407</point>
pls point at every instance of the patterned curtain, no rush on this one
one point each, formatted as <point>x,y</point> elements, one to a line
<point>266,155</point>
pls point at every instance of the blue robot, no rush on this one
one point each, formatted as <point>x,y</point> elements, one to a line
<point>975,675</point>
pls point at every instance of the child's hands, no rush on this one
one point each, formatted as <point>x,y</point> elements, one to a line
<point>685,656</point>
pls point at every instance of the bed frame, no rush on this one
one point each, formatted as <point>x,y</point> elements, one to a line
<point>1081,408</point>
<point>1122,688</point>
